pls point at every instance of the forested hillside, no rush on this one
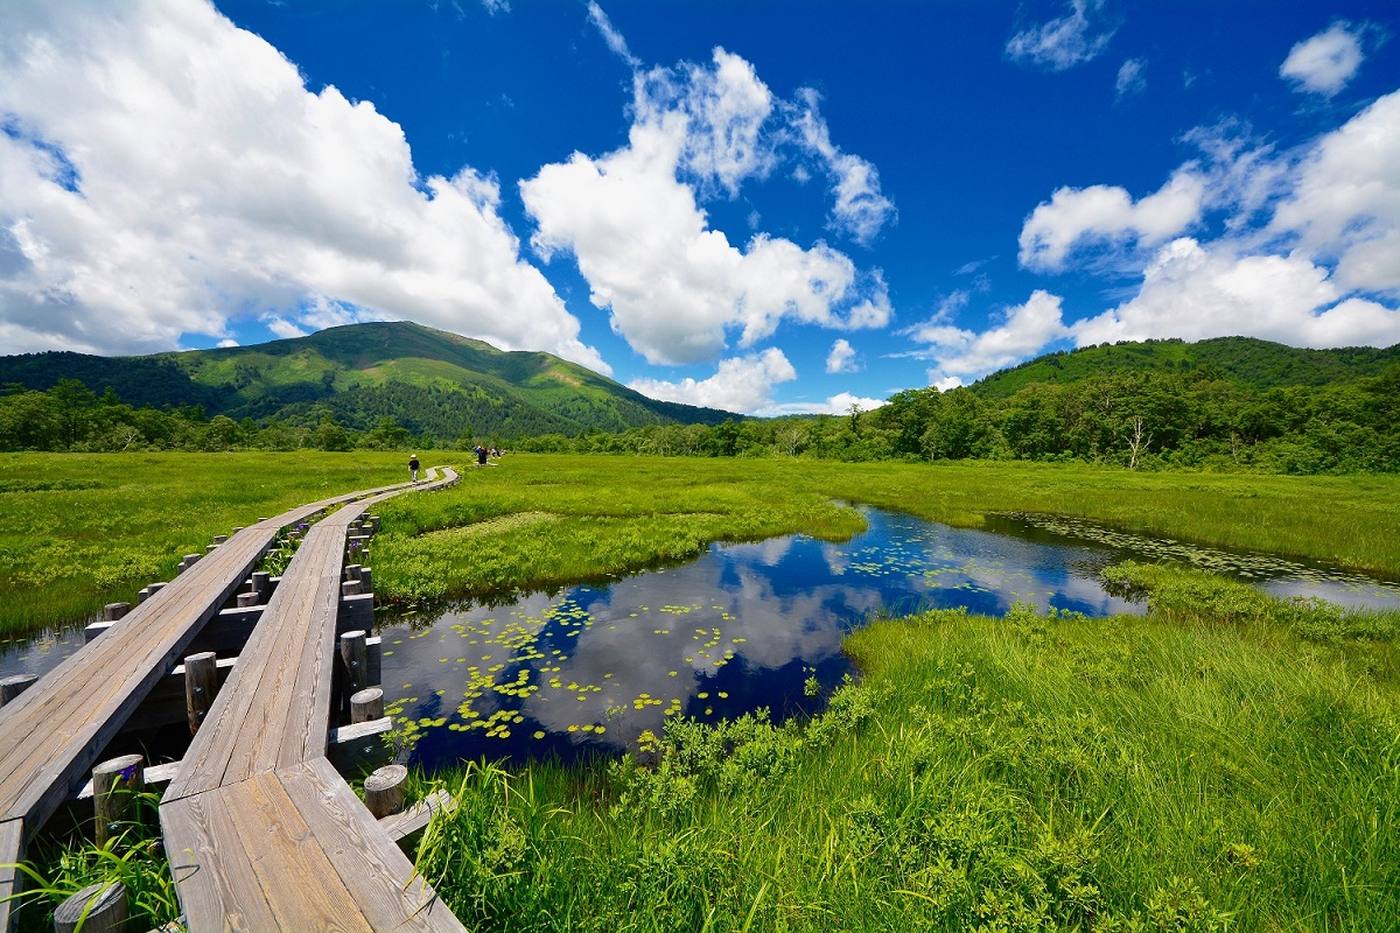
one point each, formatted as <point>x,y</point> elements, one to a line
<point>1260,364</point>
<point>428,381</point>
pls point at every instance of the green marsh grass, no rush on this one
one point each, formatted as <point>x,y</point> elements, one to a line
<point>81,530</point>
<point>1032,772</point>
<point>539,519</point>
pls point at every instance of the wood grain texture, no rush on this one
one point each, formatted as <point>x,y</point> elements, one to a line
<point>262,832</point>
<point>51,735</point>
<point>11,852</point>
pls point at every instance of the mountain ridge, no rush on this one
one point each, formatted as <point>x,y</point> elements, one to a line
<point>429,380</point>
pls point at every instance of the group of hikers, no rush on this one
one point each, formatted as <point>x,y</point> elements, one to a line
<point>482,453</point>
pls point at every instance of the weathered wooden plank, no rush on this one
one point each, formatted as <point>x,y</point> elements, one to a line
<point>213,872</point>
<point>402,825</point>
<point>379,877</point>
<point>51,736</point>
<point>294,872</point>
<point>11,852</point>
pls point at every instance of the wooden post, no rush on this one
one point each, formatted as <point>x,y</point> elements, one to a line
<point>156,587</point>
<point>355,656</point>
<point>350,588</point>
<point>114,783</point>
<point>262,584</point>
<point>352,571</point>
<point>97,908</point>
<point>366,580</point>
<point>201,684</point>
<point>384,790</point>
<point>13,686</point>
<point>220,539</point>
<point>247,599</point>
<point>143,594</point>
<point>189,561</point>
<point>114,611</point>
<point>367,705</point>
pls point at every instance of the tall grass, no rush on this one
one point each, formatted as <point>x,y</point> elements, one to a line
<point>537,520</point>
<point>80,530</point>
<point>1030,772</point>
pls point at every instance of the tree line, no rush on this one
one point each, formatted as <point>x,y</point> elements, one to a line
<point>1140,420</point>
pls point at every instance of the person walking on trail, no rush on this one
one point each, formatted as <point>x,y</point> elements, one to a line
<point>480,456</point>
<point>413,467</point>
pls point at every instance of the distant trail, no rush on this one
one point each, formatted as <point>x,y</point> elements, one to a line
<point>53,733</point>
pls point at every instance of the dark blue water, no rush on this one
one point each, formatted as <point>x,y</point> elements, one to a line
<point>743,627</point>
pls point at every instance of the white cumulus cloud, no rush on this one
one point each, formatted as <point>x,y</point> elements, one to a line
<point>838,404</point>
<point>1065,41</point>
<point>632,220</point>
<point>163,171</point>
<point>1107,214</point>
<point>1324,63</point>
<point>1194,291</point>
<point>842,358</point>
<point>1023,330</point>
<point>742,384</point>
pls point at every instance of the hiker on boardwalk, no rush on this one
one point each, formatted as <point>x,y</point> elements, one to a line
<point>413,467</point>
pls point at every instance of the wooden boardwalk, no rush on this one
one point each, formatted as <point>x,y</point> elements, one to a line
<point>261,830</point>
<point>52,734</point>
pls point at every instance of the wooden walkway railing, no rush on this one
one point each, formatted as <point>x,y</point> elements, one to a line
<point>258,759</point>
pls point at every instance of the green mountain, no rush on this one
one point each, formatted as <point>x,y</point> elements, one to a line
<point>430,380</point>
<point>1260,364</point>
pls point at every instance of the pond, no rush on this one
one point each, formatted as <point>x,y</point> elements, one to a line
<point>741,627</point>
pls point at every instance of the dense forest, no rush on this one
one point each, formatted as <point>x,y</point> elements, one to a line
<point>1140,420</point>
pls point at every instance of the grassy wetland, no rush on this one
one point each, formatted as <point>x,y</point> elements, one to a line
<point>1227,760</point>
<point>80,530</point>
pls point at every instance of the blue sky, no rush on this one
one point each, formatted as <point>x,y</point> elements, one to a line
<point>765,207</point>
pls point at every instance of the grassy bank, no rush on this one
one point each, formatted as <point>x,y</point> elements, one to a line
<point>1235,765</point>
<point>546,519</point>
<point>80,530</point>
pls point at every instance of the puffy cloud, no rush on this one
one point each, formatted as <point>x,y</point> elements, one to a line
<point>1344,200</point>
<point>281,327</point>
<point>1324,63</point>
<point>632,221</point>
<point>1108,215</point>
<point>741,384</point>
<point>842,358</point>
<point>162,171</point>
<point>861,209</point>
<point>1131,78</point>
<point>1024,330</point>
<point>1065,41</point>
<point>838,404</point>
<point>1194,291</point>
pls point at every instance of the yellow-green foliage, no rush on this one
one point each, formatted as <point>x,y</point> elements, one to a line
<point>78,530</point>
<point>595,515</point>
<point>1023,773</point>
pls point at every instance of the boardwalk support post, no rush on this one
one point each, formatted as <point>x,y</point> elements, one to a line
<point>13,686</point>
<point>367,705</point>
<point>355,655</point>
<point>262,585</point>
<point>114,611</point>
<point>384,790</point>
<point>115,783</point>
<point>247,599</point>
<point>201,683</point>
<point>97,908</point>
